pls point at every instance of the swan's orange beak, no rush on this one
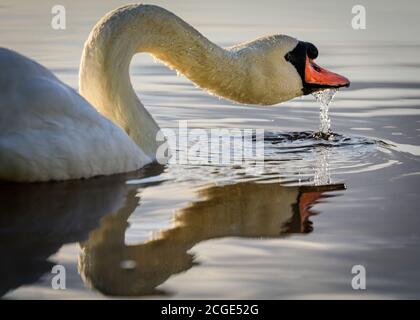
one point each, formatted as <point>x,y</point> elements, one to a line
<point>321,77</point>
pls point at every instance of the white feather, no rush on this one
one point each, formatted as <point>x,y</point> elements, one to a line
<point>49,132</point>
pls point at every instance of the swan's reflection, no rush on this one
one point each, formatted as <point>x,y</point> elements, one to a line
<point>37,219</point>
<point>238,210</point>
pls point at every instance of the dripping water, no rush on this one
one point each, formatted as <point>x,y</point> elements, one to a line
<point>324,98</point>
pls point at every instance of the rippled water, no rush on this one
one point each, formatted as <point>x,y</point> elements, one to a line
<point>291,226</point>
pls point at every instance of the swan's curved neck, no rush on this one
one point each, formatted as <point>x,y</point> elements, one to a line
<point>104,72</point>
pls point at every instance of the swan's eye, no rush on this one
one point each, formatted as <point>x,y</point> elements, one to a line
<point>288,56</point>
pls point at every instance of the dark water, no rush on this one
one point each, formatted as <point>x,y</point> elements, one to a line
<point>293,228</point>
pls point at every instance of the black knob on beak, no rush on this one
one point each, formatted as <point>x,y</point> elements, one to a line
<point>311,51</point>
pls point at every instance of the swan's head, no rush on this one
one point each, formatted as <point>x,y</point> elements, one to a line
<point>283,68</point>
<point>313,77</point>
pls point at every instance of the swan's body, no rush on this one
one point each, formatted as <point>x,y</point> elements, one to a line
<point>49,132</point>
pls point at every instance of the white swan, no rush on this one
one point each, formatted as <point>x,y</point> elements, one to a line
<point>49,132</point>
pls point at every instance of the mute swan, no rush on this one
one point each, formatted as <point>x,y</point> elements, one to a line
<point>49,132</point>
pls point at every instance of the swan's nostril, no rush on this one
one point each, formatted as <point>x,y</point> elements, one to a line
<point>312,51</point>
<point>316,68</point>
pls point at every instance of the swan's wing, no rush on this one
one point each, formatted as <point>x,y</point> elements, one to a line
<point>49,132</point>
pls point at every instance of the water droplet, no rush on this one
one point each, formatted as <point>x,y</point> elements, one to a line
<point>324,98</point>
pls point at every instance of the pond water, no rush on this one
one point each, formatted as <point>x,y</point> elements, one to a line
<point>293,228</point>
